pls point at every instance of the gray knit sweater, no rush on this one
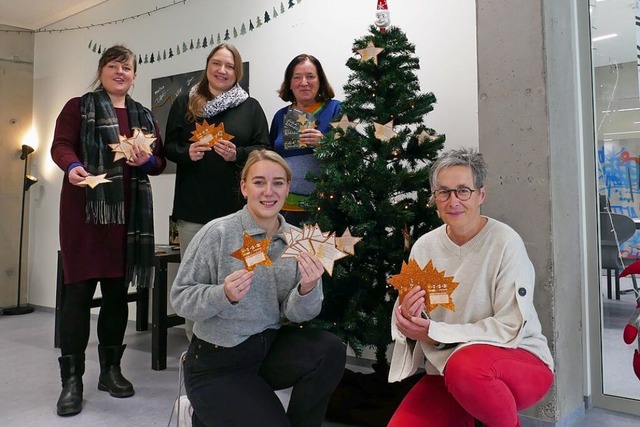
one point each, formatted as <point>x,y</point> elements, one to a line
<point>493,301</point>
<point>198,290</point>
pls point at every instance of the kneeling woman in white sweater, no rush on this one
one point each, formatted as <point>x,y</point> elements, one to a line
<point>483,350</point>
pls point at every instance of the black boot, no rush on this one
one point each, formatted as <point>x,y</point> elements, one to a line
<point>71,371</point>
<point>111,379</point>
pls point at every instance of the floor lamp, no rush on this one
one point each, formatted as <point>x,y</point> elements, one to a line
<point>28,182</point>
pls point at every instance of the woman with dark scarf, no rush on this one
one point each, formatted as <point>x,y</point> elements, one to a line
<point>106,232</point>
<point>207,177</point>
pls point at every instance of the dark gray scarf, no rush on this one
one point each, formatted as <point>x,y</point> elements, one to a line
<point>105,203</point>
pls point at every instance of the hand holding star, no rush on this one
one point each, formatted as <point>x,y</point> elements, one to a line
<point>311,270</point>
<point>237,285</point>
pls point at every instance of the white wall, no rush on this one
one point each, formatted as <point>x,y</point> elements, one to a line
<point>444,34</point>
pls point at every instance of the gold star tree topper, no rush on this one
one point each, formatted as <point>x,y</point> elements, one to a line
<point>210,134</point>
<point>253,252</point>
<point>124,148</point>
<point>370,53</point>
<point>436,284</point>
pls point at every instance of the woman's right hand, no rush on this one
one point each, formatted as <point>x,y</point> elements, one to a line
<point>237,285</point>
<point>197,150</point>
<point>413,302</point>
<point>77,175</point>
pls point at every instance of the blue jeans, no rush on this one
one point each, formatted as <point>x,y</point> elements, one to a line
<point>235,386</point>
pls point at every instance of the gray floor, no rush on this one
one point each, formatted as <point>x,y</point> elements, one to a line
<point>30,384</point>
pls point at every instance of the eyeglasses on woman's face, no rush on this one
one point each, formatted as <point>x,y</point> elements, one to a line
<point>462,193</point>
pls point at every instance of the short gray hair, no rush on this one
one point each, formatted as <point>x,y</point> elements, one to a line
<point>465,156</point>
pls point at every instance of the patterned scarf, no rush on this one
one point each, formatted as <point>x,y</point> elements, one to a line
<point>229,99</point>
<point>105,203</point>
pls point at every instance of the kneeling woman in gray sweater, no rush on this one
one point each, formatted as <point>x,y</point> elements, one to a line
<point>243,348</point>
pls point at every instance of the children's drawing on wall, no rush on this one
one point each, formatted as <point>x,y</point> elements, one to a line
<point>619,181</point>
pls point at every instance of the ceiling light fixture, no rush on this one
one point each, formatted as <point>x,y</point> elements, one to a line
<point>605,37</point>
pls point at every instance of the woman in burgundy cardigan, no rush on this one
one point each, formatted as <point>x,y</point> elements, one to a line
<point>106,230</point>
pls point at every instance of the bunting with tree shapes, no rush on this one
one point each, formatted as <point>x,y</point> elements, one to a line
<point>226,33</point>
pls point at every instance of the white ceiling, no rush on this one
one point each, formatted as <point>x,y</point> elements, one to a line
<point>38,14</point>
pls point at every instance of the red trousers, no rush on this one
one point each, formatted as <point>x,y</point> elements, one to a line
<point>483,382</point>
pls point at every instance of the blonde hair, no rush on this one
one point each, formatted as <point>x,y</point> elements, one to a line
<point>257,155</point>
<point>202,93</point>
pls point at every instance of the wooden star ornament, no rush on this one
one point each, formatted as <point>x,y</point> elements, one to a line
<point>326,246</point>
<point>94,180</point>
<point>253,252</point>
<point>370,53</point>
<point>124,148</point>
<point>210,134</point>
<point>384,132</point>
<point>426,136</point>
<point>343,123</point>
<point>346,242</point>
<point>143,140</point>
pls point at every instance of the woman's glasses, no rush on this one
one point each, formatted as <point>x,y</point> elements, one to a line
<point>462,193</point>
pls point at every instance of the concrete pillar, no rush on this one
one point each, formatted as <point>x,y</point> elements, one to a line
<point>529,132</point>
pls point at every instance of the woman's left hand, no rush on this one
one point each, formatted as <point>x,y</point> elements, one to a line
<point>138,156</point>
<point>311,270</point>
<point>414,327</point>
<point>310,137</point>
<point>226,150</point>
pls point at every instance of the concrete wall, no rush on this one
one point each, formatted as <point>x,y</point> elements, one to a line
<point>529,125</point>
<point>16,105</point>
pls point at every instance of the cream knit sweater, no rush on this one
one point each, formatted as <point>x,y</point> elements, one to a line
<point>493,301</point>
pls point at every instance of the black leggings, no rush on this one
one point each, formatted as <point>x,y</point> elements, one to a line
<point>76,312</point>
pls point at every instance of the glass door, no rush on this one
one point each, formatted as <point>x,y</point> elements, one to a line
<point>615,60</point>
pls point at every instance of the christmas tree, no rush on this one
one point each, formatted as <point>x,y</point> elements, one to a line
<point>374,180</point>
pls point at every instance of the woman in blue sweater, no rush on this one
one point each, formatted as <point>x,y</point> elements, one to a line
<point>306,87</point>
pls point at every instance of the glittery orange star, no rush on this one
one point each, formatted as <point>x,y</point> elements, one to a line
<point>253,252</point>
<point>410,276</point>
<point>210,134</point>
<point>436,284</point>
<point>439,288</point>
